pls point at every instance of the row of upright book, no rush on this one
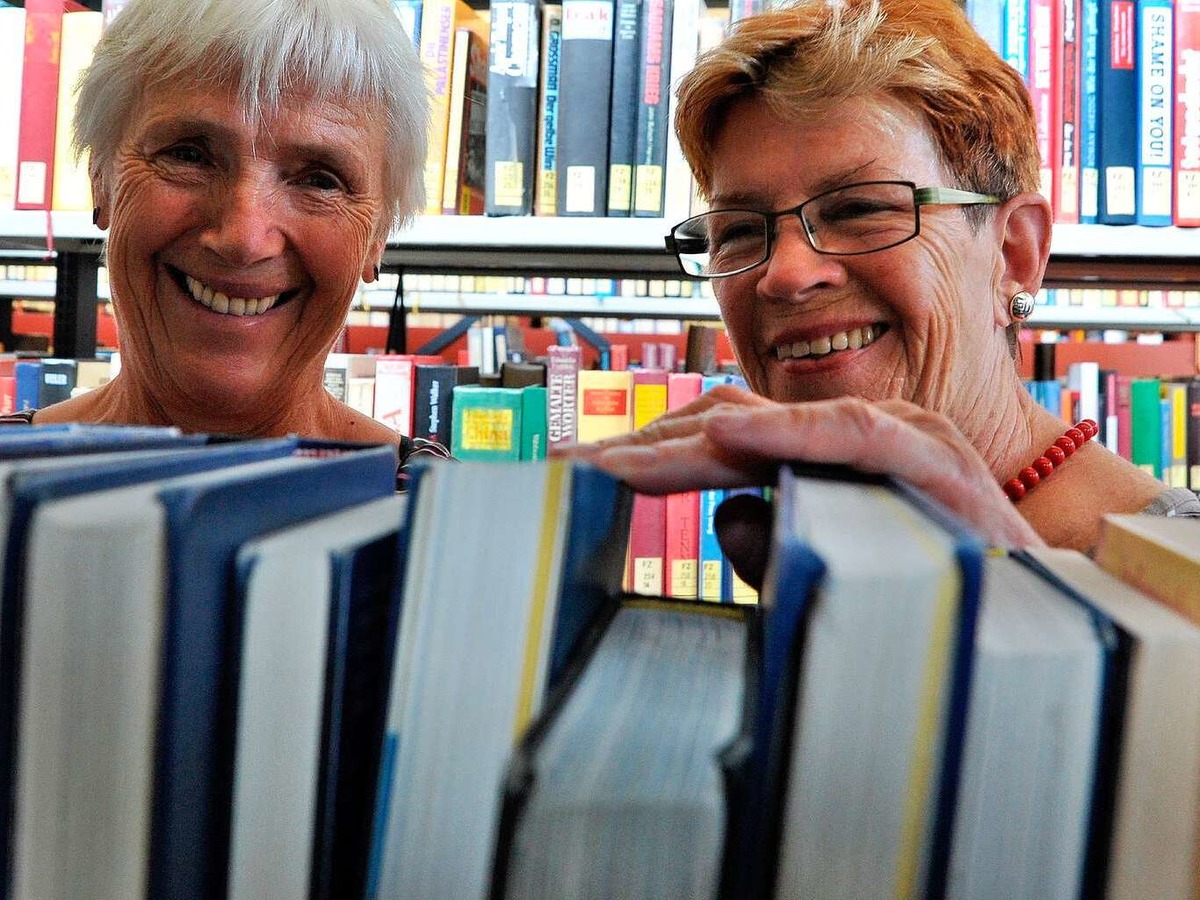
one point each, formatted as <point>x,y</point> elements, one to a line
<point>248,669</point>
<point>557,108</point>
<point>1116,90</point>
<point>1152,422</point>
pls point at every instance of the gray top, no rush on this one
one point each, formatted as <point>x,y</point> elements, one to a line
<point>1176,501</point>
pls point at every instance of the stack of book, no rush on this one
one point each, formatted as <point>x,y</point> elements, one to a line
<point>250,669</point>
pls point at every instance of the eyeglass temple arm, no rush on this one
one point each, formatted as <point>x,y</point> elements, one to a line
<point>935,195</point>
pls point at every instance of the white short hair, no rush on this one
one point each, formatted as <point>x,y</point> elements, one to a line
<point>351,51</point>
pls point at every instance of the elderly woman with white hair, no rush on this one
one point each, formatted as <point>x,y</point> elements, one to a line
<point>248,160</point>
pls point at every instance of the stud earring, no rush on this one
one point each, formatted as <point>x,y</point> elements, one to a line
<point>95,215</point>
<point>1021,305</point>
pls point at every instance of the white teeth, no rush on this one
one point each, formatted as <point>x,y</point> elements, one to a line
<point>854,339</point>
<point>218,302</point>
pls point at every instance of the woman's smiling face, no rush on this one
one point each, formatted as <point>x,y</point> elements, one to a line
<point>917,322</point>
<point>235,247</point>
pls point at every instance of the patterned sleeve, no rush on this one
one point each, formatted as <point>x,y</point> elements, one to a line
<point>416,450</point>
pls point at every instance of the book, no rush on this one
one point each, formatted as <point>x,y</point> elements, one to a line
<point>1156,82</point>
<point>1186,154</point>
<point>395,388</point>
<point>318,618</point>
<point>584,90</point>
<point>653,107</point>
<point>1175,433</point>
<point>605,404</point>
<point>487,423</point>
<point>512,107</point>
<point>1192,441</point>
<point>562,396</point>
<point>547,554</point>
<point>669,686</point>
<point>12,63</point>
<point>1157,799</point>
<point>466,168</point>
<point>627,44</point>
<point>533,422</point>
<point>647,530</point>
<point>1145,423</point>
<point>683,523</point>
<point>1070,86</point>
<point>1045,89</point>
<point>170,794</point>
<point>545,196</point>
<point>71,189</point>
<point>27,380</point>
<point>695,28</point>
<point>433,404</point>
<point>1116,98</point>
<point>340,368</point>
<point>876,737</point>
<point>1155,554</point>
<point>440,19</point>
<point>39,102</point>
<point>56,380</point>
<point>1088,139</point>
<point>1033,783</point>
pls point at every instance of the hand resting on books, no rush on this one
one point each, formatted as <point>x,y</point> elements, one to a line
<point>730,437</point>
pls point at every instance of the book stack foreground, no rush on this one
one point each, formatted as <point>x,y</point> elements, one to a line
<point>249,669</point>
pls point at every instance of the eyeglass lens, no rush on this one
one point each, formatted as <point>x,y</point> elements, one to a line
<point>855,219</point>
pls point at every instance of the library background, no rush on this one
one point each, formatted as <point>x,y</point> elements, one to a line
<point>524,308</point>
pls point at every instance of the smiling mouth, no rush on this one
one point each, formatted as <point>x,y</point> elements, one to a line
<point>224,304</point>
<point>854,339</point>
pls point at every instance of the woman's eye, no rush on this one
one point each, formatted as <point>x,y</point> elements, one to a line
<point>323,180</point>
<point>186,153</point>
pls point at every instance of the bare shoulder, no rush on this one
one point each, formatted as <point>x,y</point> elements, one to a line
<point>349,424</point>
<point>83,408</point>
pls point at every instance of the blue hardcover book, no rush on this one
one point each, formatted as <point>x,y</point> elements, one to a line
<point>623,105</point>
<point>1089,174</point>
<point>155,562</point>
<point>409,14</point>
<point>1116,118</point>
<point>712,560</point>
<point>882,682</point>
<point>27,382</point>
<point>318,610</point>
<point>1156,93</point>
<point>1039,774</point>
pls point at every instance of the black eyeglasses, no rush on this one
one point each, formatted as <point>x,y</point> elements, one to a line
<point>857,218</point>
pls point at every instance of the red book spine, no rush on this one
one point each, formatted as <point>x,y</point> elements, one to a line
<point>1067,196</point>
<point>682,560</point>
<point>1187,113</point>
<point>39,104</point>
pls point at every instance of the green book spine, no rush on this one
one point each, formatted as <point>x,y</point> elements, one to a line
<point>487,423</point>
<point>533,422</point>
<point>1145,412</point>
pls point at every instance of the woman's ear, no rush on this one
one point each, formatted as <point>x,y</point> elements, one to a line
<point>1026,221</point>
<point>100,199</point>
<point>374,261</point>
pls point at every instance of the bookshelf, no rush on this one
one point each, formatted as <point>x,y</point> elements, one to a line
<point>1082,256</point>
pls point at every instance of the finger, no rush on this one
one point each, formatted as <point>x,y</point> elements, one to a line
<point>683,464</point>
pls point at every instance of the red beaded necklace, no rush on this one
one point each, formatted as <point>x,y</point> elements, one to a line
<point>1042,467</point>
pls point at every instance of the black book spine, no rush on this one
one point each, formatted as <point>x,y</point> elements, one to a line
<point>585,88</point>
<point>511,148</point>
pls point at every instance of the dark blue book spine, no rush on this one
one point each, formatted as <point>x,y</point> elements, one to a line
<point>623,105</point>
<point>654,102</point>
<point>1116,127</point>
<point>27,379</point>
<point>511,147</point>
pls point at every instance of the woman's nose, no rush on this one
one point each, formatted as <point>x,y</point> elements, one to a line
<point>245,225</point>
<point>794,265</point>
